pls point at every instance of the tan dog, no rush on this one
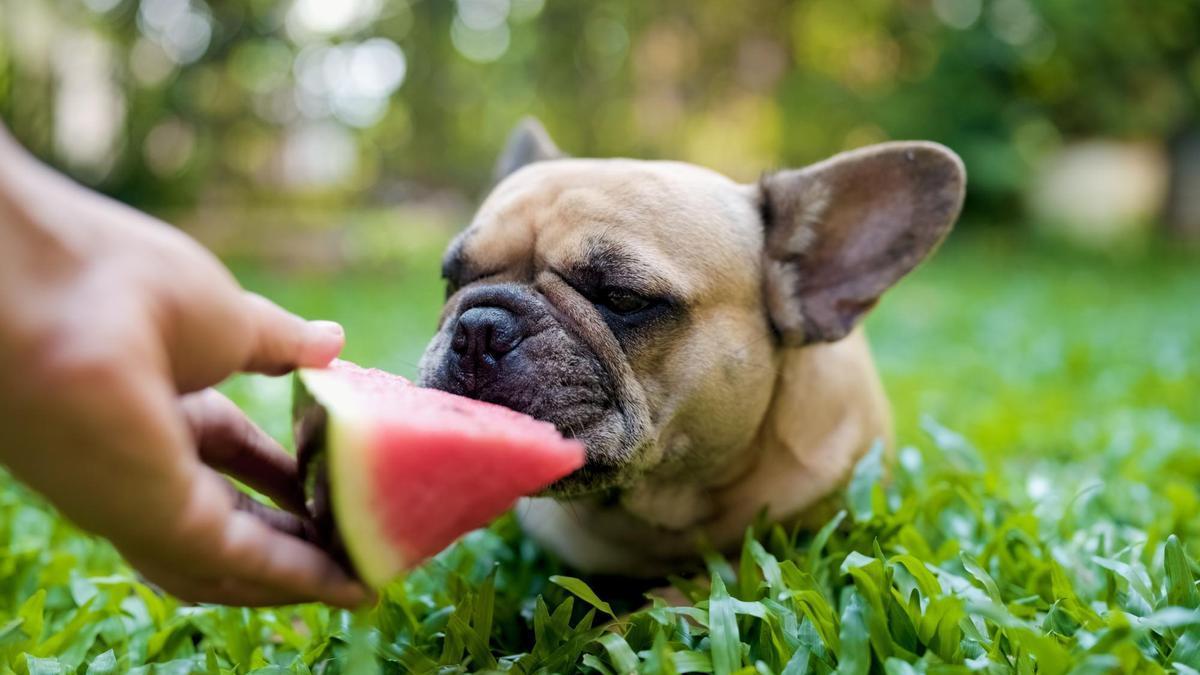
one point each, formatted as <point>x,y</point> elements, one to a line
<point>698,335</point>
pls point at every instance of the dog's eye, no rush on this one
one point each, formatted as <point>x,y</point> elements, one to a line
<point>622,301</point>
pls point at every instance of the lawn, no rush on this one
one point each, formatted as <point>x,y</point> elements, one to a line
<point>1042,517</point>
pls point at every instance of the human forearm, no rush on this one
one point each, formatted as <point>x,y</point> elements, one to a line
<point>108,316</point>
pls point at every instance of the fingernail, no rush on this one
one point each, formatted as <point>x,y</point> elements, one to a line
<point>325,340</point>
<point>330,328</point>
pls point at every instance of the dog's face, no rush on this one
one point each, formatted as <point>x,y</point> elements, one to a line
<point>642,307</point>
<point>619,300</point>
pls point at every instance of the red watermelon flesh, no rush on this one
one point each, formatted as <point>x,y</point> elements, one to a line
<point>398,472</point>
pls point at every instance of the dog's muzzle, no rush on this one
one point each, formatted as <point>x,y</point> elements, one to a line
<point>504,344</point>
<point>482,337</point>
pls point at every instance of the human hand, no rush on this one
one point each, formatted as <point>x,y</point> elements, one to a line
<point>112,328</point>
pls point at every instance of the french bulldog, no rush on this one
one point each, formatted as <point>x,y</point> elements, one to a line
<point>698,335</point>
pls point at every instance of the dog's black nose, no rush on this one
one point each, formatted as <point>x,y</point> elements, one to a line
<point>483,335</point>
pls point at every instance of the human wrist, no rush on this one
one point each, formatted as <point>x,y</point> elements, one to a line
<point>14,161</point>
<point>32,199</point>
<point>17,168</point>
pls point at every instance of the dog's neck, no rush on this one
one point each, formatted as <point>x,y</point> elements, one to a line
<point>789,468</point>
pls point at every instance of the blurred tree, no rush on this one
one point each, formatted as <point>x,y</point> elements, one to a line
<point>265,102</point>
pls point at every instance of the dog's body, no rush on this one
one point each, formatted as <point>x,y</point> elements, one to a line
<point>697,334</point>
<point>828,410</point>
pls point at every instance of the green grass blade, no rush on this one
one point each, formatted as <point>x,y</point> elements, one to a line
<point>723,630</point>
<point>867,474</point>
<point>1181,585</point>
<point>855,656</point>
<point>584,592</point>
<point>103,664</point>
<point>817,548</point>
<point>621,655</point>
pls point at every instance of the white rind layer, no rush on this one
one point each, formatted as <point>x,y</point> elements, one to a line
<point>347,450</point>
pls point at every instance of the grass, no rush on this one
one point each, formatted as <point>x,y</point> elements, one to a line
<point>1042,516</point>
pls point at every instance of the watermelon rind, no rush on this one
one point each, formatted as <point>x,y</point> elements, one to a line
<point>374,557</point>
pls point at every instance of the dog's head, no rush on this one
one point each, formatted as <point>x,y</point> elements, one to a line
<point>643,307</point>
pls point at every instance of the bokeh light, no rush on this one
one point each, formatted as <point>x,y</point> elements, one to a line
<point>181,27</point>
<point>387,93</point>
<point>310,18</point>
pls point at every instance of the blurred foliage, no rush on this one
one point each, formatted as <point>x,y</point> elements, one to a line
<point>1034,537</point>
<point>1041,517</point>
<point>257,101</point>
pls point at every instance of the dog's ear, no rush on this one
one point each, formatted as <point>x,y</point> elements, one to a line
<point>840,232</point>
<point>527,143</point>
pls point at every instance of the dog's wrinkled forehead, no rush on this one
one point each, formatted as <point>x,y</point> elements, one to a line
<point>662,221</point>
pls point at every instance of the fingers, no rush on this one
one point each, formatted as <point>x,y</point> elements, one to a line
<point>270,558</point>
<point>230,590</point>
<point>217,591</point>
<point>230,443</point>
<point>284,341</point>
<point>282,521</point>
<point>218,553</point>
<point>240,551</point>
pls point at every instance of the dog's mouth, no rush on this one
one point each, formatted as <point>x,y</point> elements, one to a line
<point>311,455</point>
<point>596,424</point>
<point>506,344</point>
<point>577,413</point>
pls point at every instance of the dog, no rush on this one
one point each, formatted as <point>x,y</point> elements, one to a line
<point>698,335</point>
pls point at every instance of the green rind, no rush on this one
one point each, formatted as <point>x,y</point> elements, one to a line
<point>347,452</point>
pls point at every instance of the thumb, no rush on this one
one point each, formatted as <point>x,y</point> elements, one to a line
<point>283,341</point>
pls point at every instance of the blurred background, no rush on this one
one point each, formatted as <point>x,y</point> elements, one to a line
<point>252,120</point>
<point>328,149</point>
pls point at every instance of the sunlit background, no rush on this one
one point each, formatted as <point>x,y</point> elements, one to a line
<point>1042,368</point>
<point>1078,117</point>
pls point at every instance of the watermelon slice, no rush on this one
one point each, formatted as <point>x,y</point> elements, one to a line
<point>395,472</point>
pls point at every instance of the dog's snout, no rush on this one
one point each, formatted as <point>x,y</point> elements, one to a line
<point>482,336</point>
